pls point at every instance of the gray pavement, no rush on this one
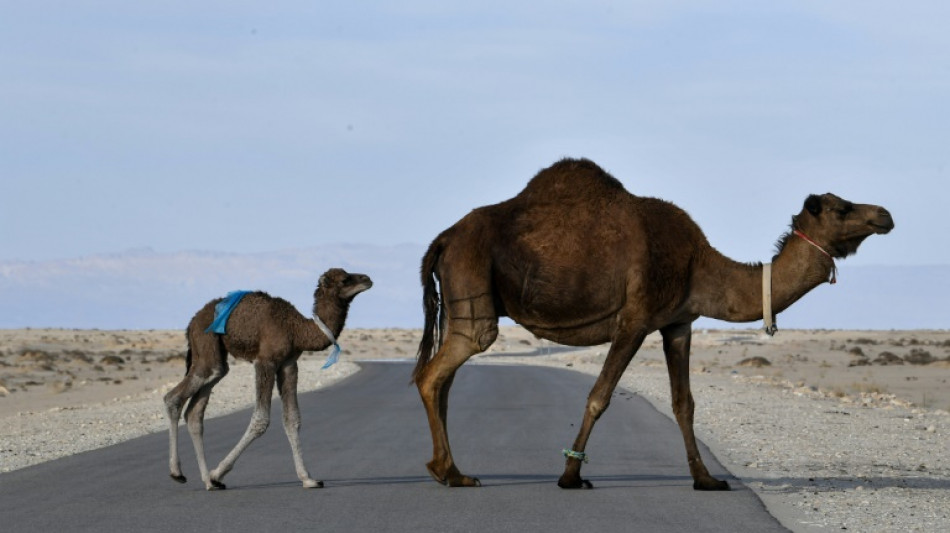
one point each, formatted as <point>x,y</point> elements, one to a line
<point>367,439</point>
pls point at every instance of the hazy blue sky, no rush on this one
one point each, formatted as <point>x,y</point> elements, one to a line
<point>256,126</point>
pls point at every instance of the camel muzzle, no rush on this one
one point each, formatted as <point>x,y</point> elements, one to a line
<point>884,222</point>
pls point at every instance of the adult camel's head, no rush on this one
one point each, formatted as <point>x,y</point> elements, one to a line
<point>839,226</point>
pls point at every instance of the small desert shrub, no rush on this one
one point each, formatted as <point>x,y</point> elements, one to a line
<point>888,358</point>
<point>919,356</point>
<point>77,355</point>
<point>35,356</point>
<point>755,362</point>
<point>112,360</point>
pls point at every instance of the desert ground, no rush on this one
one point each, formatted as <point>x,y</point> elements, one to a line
<point>47,368</point>
<point>833,429</point>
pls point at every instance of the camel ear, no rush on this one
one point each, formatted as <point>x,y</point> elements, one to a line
<point>813,204</point>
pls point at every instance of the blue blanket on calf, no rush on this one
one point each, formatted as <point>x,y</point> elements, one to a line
<point>222,310</point>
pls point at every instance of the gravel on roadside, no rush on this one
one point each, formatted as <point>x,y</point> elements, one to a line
<point>819,461</point>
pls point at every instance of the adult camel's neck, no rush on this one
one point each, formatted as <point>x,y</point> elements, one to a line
<point>333,313</point>
<point>732,291</point>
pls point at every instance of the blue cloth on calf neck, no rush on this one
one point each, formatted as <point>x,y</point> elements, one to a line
<point>335,353</point>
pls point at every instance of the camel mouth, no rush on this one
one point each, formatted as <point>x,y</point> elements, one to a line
<point>364,285</point>
<point>882,228</point>
<point>881,221</point>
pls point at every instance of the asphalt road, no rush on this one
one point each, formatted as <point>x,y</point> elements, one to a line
<point>367,439</point>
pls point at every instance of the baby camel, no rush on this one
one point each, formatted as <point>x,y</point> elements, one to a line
<point>270,333</point>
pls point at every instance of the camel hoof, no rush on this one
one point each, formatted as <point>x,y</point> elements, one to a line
<point>439,479</point>
<point>312,484</point>
<point>578,484</point>
<point>453,478</point>
<point>710,484</point>
<point>179,478</point>
<point>463,481</point>
<point>217,485</point>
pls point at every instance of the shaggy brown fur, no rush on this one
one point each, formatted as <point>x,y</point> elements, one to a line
<point>578,260</point>
<point>270,333</point>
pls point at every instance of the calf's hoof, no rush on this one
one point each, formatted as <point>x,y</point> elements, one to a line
<point>710,484</point>
<point>216,485</point>
<point>573,482</point>
<point>312,484</point>
<point>463,481</point>
<point>179,478</point>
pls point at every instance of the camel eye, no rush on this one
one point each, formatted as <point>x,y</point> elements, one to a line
<point>846,209</point>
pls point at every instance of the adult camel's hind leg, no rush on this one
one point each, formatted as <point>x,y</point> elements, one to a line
<point>472,328</point>
<point>676,344</point>
<point>434,384</point>
<point>287,385</point>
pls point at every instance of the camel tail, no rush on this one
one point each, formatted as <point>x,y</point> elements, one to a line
<point>434,313</point>
<point>194,335</point>
<point>188,354</point>
<point>188,359</point>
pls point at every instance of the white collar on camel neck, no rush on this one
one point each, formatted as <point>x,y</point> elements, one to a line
<point>767,316</point>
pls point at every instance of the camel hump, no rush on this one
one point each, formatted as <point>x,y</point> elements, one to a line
<point>570,178</point>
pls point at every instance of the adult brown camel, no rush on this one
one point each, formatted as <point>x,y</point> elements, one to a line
<point>578,260</point>
<point>270,333</point>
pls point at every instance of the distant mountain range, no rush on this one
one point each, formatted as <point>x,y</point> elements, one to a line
<point>149,290</point>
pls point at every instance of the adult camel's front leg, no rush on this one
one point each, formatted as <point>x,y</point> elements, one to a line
<point>434,384</point>
<point>622,350</point>
<point>676,345</point>
<point>264,384</point>
<point>287,385</point>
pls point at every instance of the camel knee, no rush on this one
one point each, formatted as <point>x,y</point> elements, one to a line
<point>596,407</point>
<point>683,405</point>
<point>258,426</point>
<point>174,403</point>
<point>292,421</point>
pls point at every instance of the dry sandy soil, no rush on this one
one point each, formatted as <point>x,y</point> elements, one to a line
<point>834,429</point>
<point>46,368</point>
